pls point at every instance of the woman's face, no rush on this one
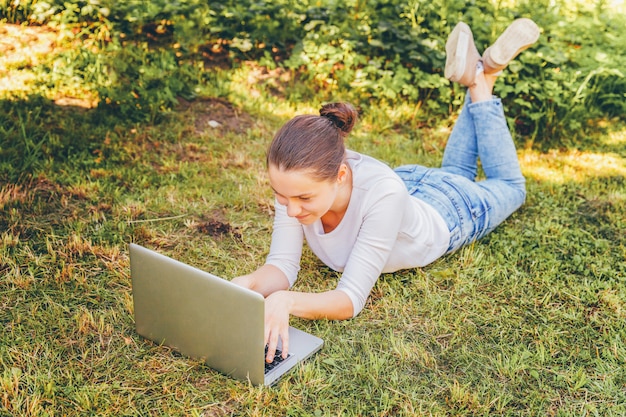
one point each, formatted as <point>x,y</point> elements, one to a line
<point>306,198</point>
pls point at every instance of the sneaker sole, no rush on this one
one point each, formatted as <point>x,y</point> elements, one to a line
<point>456,51</point>
<point>520,35</point>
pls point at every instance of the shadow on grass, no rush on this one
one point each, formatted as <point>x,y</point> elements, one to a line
<point>37,133</point>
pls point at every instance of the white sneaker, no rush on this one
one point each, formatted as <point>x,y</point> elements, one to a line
<point>461,55</point>
<point>520,35</point>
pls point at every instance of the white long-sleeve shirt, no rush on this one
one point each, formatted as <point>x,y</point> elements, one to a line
<point>383,230</point>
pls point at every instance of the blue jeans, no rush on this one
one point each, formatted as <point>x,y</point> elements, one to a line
<point>472,208</point>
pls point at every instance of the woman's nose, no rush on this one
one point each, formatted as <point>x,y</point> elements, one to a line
<point>293,209</point>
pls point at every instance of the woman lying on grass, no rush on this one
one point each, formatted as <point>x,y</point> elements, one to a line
<point>362,218</point>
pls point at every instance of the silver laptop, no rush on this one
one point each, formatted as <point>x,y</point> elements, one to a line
<point>206,317</point>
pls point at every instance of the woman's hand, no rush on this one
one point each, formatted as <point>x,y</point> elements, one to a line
<point>246,281</point>
<point>280,304</point>
<point>277,310</point>
<point>332,305</point>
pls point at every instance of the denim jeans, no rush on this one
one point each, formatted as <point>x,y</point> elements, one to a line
<point>472,208</point>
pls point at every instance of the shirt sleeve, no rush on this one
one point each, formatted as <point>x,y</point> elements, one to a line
<point>376,238</point>
<point>286,246</point>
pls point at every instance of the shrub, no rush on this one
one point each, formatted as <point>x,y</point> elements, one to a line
<point>370,52</point>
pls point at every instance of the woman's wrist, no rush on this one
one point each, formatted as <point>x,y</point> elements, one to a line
<point>243,281</point>
<point>285,297</point>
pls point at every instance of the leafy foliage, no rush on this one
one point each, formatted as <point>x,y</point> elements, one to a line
<point>368,52</point>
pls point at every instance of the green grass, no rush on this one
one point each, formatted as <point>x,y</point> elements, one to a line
<point>527,322</point>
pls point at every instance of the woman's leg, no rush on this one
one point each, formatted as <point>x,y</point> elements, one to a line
<point>481,131</point>
<point>504,188</point>
<point>495,146</point>
<point>496,149</point>
<point>472,209</point>
<point>461,153</point>
<point>462,150</point>
<point>462,59</point>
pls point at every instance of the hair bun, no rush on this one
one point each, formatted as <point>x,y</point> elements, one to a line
<point>342,115</point>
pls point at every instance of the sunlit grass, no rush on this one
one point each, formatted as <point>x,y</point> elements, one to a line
<point>31,63</point>
<point>572,165</point>
<point>617,137</point>
<point>529,321</point>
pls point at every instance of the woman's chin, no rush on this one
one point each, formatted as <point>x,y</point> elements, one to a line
<point>306,220</point>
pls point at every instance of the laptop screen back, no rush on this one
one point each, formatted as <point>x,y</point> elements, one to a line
<point>198,314</point>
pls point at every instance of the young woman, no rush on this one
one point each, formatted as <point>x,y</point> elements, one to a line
<point>362,218</point>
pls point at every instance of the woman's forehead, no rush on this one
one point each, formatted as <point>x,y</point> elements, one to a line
<point>293,182</point>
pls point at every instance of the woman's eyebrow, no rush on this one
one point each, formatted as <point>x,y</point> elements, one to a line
<point>305,195</point>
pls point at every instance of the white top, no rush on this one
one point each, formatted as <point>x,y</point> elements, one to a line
<point>384,229</point>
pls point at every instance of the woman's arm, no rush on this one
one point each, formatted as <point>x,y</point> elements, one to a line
<point>333,305</point>
<point>280,303</point>
<point>377,235</point>
<point>266,280</point>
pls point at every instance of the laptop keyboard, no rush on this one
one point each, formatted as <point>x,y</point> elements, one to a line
<point>277,360</point>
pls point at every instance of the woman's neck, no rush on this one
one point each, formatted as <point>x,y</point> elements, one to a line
<point>333,217</point>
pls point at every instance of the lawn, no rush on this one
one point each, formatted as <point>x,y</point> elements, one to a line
<point>530,321</point>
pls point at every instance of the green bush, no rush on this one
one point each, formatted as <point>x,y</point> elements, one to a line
<point>572,77</point>
<point>369,52</point>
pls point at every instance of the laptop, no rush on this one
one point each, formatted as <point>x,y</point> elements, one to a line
<point>206,317</point>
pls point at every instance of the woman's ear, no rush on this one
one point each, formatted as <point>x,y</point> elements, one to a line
<point>342,175</point>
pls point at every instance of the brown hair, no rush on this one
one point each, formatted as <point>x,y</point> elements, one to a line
<point>314,143</point>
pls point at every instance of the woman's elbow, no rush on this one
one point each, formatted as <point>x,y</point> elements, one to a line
<point>345,307</point>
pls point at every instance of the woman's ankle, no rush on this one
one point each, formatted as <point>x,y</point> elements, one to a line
<point>482,88</point>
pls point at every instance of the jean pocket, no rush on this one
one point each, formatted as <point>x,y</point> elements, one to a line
<point>469,193</point>
<point>411,175</point>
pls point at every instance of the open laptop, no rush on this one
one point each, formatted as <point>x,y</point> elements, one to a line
<point>207,317</point>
